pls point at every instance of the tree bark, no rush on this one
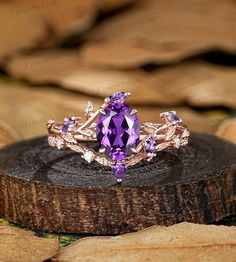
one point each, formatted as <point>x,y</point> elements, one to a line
<point>50,190</point>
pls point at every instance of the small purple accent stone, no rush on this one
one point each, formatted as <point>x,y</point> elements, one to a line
<point>150,145</point>
<point>118,98</point>
<point>119,170</point>
<point>68,124</point>
<point>171,117</point>
<point>118,131</point>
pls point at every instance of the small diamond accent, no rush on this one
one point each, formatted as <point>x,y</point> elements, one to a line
<point>177,141</point>
<point>88,108</point>
<point>88,156</point>
<point>59,143</point>
<point>51,140</point>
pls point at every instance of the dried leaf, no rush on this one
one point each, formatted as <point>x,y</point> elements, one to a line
<point>65,69</point>
<point>128,54</point>
<point>7,134</point>
<point>172,30</point>
<point>67,17</point>
<point>20,245</point>
<point>18,31</point>
<point>197,83</point>
<point>63,17</point>
<point>25,110</point>
<point>227,130</point>
<point>181,242</point>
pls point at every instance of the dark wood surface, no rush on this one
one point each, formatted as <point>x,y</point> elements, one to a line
<point>46,189</point>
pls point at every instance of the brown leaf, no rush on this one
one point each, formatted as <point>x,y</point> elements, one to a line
<point>68,17</point>
<point>227,130</point>
<point>7,134</point>
<point>18,31</point>
<point>128,54</point>
<point>63,17</point>
<point>181,242</point>
<point>20,245</point>
<point>173,30</point>
<point>197,83</point>
<point>65,69</point>
<point>25,110</point>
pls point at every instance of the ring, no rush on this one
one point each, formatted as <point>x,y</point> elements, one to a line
<point>123,141</point>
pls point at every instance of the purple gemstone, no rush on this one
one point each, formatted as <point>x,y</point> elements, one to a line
<point>68,124</point>
<point>118,98</point>
<point>171,117</point>
<point>150,145</point>
<point>118,131</point>
<point>119,170</point>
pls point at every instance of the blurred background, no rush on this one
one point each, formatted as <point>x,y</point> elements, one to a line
<point>170,54</point>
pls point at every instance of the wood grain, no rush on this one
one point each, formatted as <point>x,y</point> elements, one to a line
<point>47,189</point>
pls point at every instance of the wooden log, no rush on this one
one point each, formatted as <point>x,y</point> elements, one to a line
<point>46,189</point>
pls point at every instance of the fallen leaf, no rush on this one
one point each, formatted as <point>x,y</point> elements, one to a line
<point>7,134</point>
<point>227,130</point>
<point>180,242</point>
<point>197,83</point>
<point>20,245</point>
<point>63,17</point>
<point>66,69</point>
<point>25,110</point>
<point>172,30</point>
<point>68,17</point>
<point>18,32</point>
<point>128,54</point>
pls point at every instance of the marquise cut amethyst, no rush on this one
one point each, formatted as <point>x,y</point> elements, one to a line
<point>118,98</point>
<point>68,124</point>
<point>118,131</point>
<point>171,117</point>
<point>119,170</point>
<point>150,145</point>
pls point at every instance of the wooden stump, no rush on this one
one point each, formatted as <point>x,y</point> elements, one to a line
<point>46,189</point>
